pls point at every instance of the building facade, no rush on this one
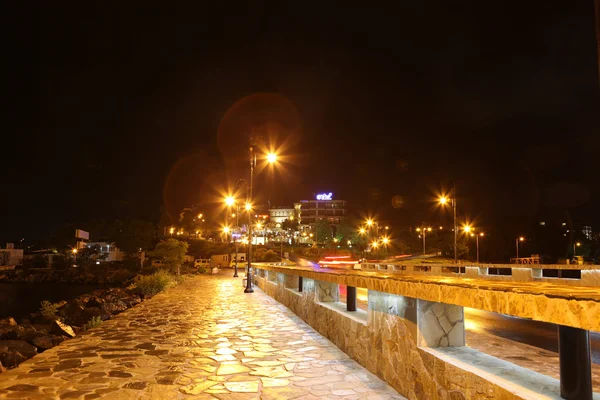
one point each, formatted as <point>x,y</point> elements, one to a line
<point>108,250</point>
<point>324,207</point>
<point>280,214</point>
<point>10,256</point>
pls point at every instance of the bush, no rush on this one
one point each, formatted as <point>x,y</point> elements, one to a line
<point>263,255</point>
<point>60,262</point>
<point>132,264</point>
<point>149,285</point>
<point>92,323</point>
<point>121,276</point>
<point>48,309</point>
<point>39,261</point>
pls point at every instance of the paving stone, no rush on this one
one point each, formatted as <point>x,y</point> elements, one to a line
<point>200,339</point>
<point>242,387</point>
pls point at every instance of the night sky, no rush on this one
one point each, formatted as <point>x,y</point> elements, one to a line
<point>122,110</point>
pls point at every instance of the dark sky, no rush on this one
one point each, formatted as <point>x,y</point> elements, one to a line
<point>117,110</point>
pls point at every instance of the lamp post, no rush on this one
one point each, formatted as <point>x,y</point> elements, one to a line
<point>375,244</point>
<point>575,245</point>
<point>477,237</point>
<point>423,234</point>
<point>385,241</point>
<point>519,239</point>
<point>271,159</point>
<point>443,201</point>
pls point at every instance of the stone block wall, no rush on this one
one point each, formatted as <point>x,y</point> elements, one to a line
<point>387,344</point>
<point>440,325</point>
<point>327,291</point>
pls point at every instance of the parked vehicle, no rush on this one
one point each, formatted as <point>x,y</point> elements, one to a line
<point>219,260</point>
<point>241,259</point>
<point>201,263</point>
<point>157,263</point>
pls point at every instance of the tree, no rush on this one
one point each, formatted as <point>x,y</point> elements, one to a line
<point>290,225</point>
<point>187,220</point>
<point>345,231</point>
<point>322,231</point>
<point>172,252</point>
<point>88,256</point>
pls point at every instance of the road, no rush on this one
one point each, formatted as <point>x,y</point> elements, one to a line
<point>533,333</point>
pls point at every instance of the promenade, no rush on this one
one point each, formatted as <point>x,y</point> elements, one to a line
<point>203,339</point>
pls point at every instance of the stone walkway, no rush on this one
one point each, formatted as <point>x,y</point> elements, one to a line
<point>202,339</point>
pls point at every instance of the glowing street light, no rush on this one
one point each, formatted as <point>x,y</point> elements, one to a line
<point>226,230</point>
<point>248,206</point>
<point>271,158</point>
<point>362,231</point>
<point>467,228</point>
<point>370,222</point>
<point>443,200</point>
<point>575,245</point>
<point>423,235</point>
<point>519,239</point>
<point>230,201</point>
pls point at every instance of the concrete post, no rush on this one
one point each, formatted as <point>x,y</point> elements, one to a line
<point>440,325</point>
<point>327,291</point>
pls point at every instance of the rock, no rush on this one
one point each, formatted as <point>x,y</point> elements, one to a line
<point>27,333</point>
<point>59,328</point>
<point>7,332</point>
<point>114,307</point>
<point>91,312</point>
<point>47,342</point>
<point>95,302</point>
<point>40,319</point>
<point>72,311</point>
<point>8,321</point>
<point>14,352</point>
<point>132,300</point>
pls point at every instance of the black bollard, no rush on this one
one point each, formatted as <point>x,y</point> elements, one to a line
<point>351,298</point>
<point>575,363</point>
<point>299,283</point>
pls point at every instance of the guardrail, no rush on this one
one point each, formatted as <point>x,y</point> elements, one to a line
<point>569,274</point>
<point>412,334</point>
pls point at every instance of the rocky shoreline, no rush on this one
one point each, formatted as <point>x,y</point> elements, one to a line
<point>33,335</point>
<point>117,276</point>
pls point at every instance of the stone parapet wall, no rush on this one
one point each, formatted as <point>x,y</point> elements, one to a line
<point>575,306</point>
<point>387,342</point>
<point>590,274</point>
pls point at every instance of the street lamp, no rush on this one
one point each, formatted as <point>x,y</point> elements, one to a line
<point>423,231</point>
<point>375,245</point>
<point>271,158</point>
<point>443,200</point>
<point>519,239</point>
<point>575,245</point>
<point>477,240</point>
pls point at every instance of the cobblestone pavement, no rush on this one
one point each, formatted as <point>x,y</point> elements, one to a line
<point>202,339</point>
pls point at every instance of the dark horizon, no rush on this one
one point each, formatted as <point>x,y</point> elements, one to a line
<point>118,114</point>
